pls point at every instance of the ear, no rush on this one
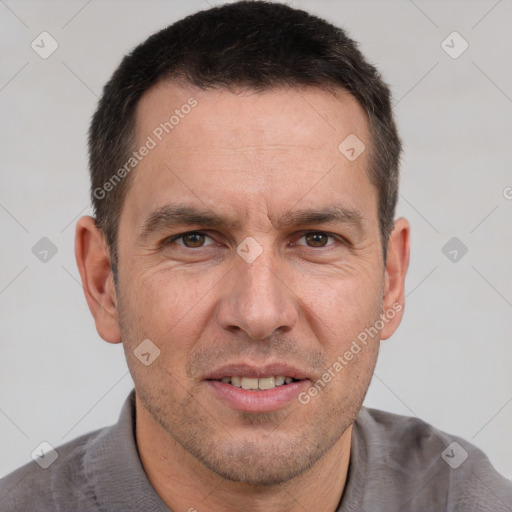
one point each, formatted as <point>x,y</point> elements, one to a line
<point>397,263</point>
<point>93,260</point>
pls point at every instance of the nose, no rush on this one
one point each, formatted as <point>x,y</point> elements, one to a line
<point>257,299</point>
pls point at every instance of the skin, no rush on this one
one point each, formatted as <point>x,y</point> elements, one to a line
<point>250,156</point>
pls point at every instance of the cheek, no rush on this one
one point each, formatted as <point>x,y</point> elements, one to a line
<point>343,306</point>
<point>155,308</point>
<point>167,309</point>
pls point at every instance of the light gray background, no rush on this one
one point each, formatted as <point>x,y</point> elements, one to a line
<point>450,361</point>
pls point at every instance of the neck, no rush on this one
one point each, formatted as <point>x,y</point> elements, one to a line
<point>185,484</point>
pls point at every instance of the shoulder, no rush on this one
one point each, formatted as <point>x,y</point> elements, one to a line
<point>40,487</point>
<point>421,464</point>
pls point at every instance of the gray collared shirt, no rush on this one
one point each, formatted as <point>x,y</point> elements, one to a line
<point>397,463</point>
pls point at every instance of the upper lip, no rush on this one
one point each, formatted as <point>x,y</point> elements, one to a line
<point>256,371</point>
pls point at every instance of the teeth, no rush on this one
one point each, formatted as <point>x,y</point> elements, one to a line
<point>255,383</point>
<point>248,383</point>
<point>267,383</point>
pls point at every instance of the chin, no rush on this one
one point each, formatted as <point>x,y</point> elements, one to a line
<point>259,466</point>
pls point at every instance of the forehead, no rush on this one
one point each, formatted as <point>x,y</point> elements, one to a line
<point>248,150</point>
<point>307,116</point>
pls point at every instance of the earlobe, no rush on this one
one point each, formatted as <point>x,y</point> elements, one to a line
<point>92,258</point>
<point>397,264</point>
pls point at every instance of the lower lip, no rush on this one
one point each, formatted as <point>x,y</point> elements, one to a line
<point>265,400</point>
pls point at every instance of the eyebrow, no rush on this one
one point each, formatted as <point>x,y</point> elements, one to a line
<point>175,215</point>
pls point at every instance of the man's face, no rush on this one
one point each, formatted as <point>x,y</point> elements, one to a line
<point>215,311</point>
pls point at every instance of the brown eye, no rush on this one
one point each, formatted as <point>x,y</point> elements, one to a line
<point>193,240</point>
<point>190,240</point>
<point>317,239</point>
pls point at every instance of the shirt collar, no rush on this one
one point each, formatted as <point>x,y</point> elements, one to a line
<point>116,475</point>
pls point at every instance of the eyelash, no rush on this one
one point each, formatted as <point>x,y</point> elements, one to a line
<point>170,240</point>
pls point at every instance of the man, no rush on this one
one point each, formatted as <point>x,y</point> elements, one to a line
<point>244,166</point>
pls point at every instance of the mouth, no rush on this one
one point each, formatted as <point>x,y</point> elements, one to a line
<point>257,384</point>
<point>257,389</point>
